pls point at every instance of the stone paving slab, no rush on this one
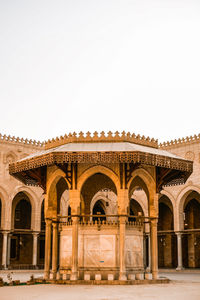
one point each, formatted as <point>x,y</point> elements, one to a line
<point>176,291</point>
<point>182,287</point>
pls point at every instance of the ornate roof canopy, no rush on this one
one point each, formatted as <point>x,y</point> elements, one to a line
<point>101,149</point>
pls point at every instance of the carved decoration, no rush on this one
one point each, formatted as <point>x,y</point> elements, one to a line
<point>9,157</point>
<point>190,155</point>
<point>102,137</point>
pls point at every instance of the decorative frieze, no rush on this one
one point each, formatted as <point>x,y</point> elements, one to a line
<point>99,157</point>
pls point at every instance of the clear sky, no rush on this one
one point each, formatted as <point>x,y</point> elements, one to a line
<point>79,65</point>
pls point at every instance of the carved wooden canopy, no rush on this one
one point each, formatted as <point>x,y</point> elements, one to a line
<point>170,169</point>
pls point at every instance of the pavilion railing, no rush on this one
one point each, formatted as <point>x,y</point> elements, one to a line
<point>98,220</point>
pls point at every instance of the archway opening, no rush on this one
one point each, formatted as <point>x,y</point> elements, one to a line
<point>94,184</point>
<point>21,248</point>
<point>99,209</point>
<point>167,244</point>
<point>191,237</point>
<point>135,208</point>
<point>22,216</point>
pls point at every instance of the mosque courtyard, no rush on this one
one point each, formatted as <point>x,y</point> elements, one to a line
<point>183,285</point>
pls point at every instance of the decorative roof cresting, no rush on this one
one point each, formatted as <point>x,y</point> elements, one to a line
<point>179,142</point>
<point>102,137</point>
<point>22,141</point>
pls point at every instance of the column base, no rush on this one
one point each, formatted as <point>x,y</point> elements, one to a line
<point>46,275</point>
<point>54,275</point>
<point>148,270</point>
<point>74,276</point>
<point>180,268</point>
<point>154,275</point>
<point>122,276</point>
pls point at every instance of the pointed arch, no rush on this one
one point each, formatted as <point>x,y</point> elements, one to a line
<point>4,203</point>
<point>34,201</point>
<point>52,192</point>
<point>181,198</point>
<point>142,178</point>
<point>98,169</point>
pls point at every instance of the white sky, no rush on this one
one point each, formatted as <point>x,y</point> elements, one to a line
<point>100,65</point>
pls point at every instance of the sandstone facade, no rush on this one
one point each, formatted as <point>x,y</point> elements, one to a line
<point>22,212</point>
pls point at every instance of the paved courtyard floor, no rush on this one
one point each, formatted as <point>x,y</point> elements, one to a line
<point>183,286</point>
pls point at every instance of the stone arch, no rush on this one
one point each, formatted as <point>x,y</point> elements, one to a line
<point>101,196</point>
<point>98,169</point>
<point>144,206</point>
<point>99,207</point>
<point>139,204</point>
<point>181,198</point>
<point>95,183</point>
<point>142,179</point>
<point>166,208</point>
<point>31,195</point>
<point>4,202</point>
<point>9,157</point>
<point>52,205</point>
<point>64,203</point>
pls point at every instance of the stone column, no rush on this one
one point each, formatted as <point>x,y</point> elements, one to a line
<point>179,251</point>
<point>74,198</point>
<point>5,249</point>
<point>149,253</point>
<point>154,249</point>
<point>122,234</point>
<point>153,213</point>
<point>55,250</point>
<point>123,202</point>
<point>74,272</point>
<point>47,249</point>
<point>35,248</point>
<point>8,249</point>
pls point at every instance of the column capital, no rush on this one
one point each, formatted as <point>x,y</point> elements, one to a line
<point>55,225</point>
<point>48,221</point>
<point>178,233</point>
<point>35,233</point>
<point>5,231</point>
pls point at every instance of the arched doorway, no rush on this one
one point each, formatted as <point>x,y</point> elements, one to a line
<point>21,247</point>
<point>191,237</point>
<point>167,245</point>
<point>22,218</point>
